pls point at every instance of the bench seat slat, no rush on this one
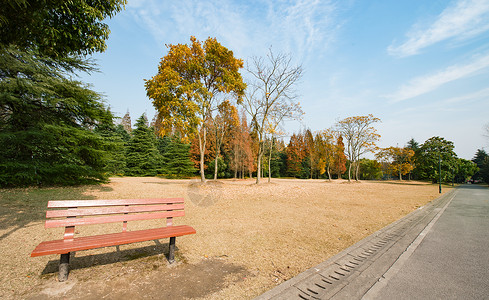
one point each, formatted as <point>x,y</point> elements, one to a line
<point>111,210</point>
<point>111,219</point>
<point>93,203</point>
<point>111,239</point>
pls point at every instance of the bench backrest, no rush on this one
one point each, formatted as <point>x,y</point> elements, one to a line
<point>71,213</point>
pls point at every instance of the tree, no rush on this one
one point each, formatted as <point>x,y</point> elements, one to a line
<point>143,158</point>
<point>339,157</point>
<point>360,138</point>
<point>242,156</point>
<point>434,151</point>
<point>328,150</point>
<point>311,151</point>
<point>481,159</point>
<point>399,160</point>
<point>46,122</point>
<point>464,170</point>
<point>57,28</point>
<point>46,117</point>
<point>125,136</point>
<point>480,156</point>
<point>115,144</point>
<point>176,159</point>
<point>187,88</point>
<point>224,123</point>
<point>318,161</point>
<point>271,96</point>
<point>277,159</point>
<point>295,155</point>
<point>484,170</point>
<point>272,133</point>
<point>370,169</point>
<point>414,145</point>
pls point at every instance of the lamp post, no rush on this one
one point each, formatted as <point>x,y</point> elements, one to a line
<point>439,173</point>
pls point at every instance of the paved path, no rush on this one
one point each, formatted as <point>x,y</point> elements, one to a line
<point>440,251</point>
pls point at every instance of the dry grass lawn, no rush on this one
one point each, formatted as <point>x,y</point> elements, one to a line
<point>249,238</point>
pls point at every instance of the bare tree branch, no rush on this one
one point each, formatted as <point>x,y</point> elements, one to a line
<point>270,97</point>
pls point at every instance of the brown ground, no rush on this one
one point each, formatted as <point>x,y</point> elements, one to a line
<point>249,238</point>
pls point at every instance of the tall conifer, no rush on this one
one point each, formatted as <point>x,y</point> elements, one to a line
<point>142,156</point>
<point>176,159</point>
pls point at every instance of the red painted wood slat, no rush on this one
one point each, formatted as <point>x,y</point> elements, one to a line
<point>110,210</point>
<point>111,219</point>
<point>112,239</point>
<point>94,203</point>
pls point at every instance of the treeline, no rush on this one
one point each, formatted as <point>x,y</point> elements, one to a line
<point>232,152</point>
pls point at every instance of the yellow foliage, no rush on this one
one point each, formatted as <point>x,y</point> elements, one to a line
<point>188,79</point>
<point>321,166</point>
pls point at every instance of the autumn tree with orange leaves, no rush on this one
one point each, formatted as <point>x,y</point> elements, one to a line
<point>242,155</point>
<point>191,82</point>
<point>360,137</point>
<point>296,152</point>
<point>339,164</point>
<point>400,160</point>
<point>224,124</point>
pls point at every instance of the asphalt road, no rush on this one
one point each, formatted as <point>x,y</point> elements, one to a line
<point>452,260</point>
<point>440,251</point>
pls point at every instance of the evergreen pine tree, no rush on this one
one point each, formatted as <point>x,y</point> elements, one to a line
<point>481,158</point>
<point>46,122</point>
<point>114,144</point>
<point>142,156</point>
<point>176,159</point>
<point>46,117</point>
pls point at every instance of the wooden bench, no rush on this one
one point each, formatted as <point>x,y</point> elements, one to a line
<point>71,213</point>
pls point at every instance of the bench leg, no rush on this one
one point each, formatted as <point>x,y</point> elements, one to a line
<point>171,253</point>
<point>64,267</point>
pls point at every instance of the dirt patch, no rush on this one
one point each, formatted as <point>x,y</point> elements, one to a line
<point>249,238</point>
<point>182,281</point>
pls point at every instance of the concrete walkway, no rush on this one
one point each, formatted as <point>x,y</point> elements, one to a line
<point>440,251</point>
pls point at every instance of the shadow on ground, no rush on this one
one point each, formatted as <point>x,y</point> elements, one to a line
<point>181,281</point>
<point>79,260</point>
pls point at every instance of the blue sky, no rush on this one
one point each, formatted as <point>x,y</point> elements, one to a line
<point>422,67</point>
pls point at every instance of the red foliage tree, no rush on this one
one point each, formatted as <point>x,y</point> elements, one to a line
<point>339,165</point>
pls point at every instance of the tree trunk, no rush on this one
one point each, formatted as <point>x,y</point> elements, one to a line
<point>215,167</point>
<point>202,141</point>
<point>270,162</point>
<point>329,173</point>
<point>258,169</point>
<point>349,172</point>
<point>357,170</point>
<point>269,169</point>
<point>310,165</point>
<point>218,152</point>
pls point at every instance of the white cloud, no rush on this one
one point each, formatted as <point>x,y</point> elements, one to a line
<point>301,27</point>
<point>469,98</point>
<point>425,84</point>
<point>463,20</point>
